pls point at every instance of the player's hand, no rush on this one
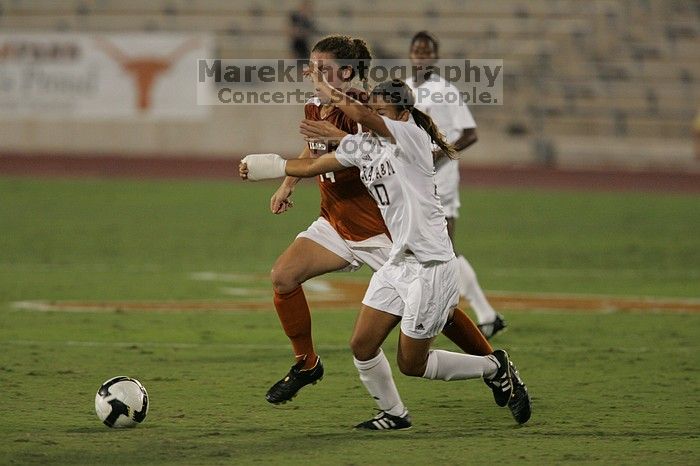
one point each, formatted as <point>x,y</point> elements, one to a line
<point>312,130</point>
<point>256,167</point>
<point>243,170</point>
<point>280,201</point>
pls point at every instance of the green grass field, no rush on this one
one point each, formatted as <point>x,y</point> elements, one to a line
<point>609,388</point>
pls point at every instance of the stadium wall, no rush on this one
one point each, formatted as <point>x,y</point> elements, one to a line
<point>67,94</point>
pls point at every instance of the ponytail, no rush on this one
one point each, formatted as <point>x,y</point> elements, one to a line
<point>399,94</point>
<point>426,123</point>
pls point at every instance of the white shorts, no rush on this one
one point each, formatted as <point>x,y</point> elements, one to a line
<point>373,251</point>
<point>421,294</point>
<point>447,182</point>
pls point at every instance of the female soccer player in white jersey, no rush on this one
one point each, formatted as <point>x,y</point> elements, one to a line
<point>418,285</point>
<point>455,121</point>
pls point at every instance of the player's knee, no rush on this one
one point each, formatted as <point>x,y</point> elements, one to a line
<point>410,367</point>
<point>361,349</point>
<point>283,280</point>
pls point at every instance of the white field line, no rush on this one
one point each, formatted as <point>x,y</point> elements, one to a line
<point>46,306</point>
<point>225,277</point>
<point>318,285</point>
<point>247,292</point>
<point>108,308</point>
<point>41,306</point>
<point>314,286</point>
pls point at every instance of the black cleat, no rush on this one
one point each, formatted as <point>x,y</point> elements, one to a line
<point>490,329</point>
<point>295,380</point>
<point>519,404</point>
<point>386,421</point>
<point>501,383</point>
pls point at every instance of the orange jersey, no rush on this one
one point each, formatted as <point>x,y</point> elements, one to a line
<point>345,202</point>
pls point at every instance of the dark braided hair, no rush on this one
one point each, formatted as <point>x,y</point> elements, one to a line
<point>348,52</point>
<point>399,94</point>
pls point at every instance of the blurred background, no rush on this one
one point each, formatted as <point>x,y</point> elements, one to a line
<point>588,85</point>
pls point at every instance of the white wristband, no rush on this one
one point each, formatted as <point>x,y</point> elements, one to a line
<point>264,166</point>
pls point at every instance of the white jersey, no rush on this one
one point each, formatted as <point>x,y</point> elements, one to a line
<point>445,107</point>
<point>440,99</point>
<point>400,178</point>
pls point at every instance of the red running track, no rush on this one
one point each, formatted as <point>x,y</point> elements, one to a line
<point>227,168</point>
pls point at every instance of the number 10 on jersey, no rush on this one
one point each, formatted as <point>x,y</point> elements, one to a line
<point>381,194</point>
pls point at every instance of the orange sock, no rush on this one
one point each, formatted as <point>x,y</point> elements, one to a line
<point>462,331</point>
<point>294,315</point>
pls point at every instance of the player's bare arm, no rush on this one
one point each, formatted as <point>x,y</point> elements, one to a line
<point>353,108</point>
<point>280,201</point>
<point>308,168</point>
<point>465,140</point>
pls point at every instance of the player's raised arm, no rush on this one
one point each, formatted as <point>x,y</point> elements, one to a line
<point>256,167</point>
<point>354,109</point>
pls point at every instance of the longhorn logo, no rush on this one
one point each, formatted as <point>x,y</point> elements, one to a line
<point>145,69</point>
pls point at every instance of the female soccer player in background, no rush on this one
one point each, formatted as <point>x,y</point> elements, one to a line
<point>455,121</point>
<point>418,285</point>
<point>349,232</point>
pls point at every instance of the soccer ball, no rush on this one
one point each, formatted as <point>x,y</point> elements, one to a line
<point>121,402</point>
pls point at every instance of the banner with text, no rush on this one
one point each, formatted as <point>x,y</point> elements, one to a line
<point>85,76</point>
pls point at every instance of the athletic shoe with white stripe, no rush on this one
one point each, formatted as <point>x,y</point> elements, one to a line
<point>519,404</point>
<point>501,383</point>
<point>386,421</point>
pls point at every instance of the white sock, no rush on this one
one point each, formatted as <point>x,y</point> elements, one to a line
<point>469,288</point>
<point>375,374</point>
<point>445,365</point>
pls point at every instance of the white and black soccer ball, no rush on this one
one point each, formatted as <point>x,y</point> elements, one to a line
<point>121,402</point>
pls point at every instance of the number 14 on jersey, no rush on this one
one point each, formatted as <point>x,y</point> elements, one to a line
<point>328,176</point>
